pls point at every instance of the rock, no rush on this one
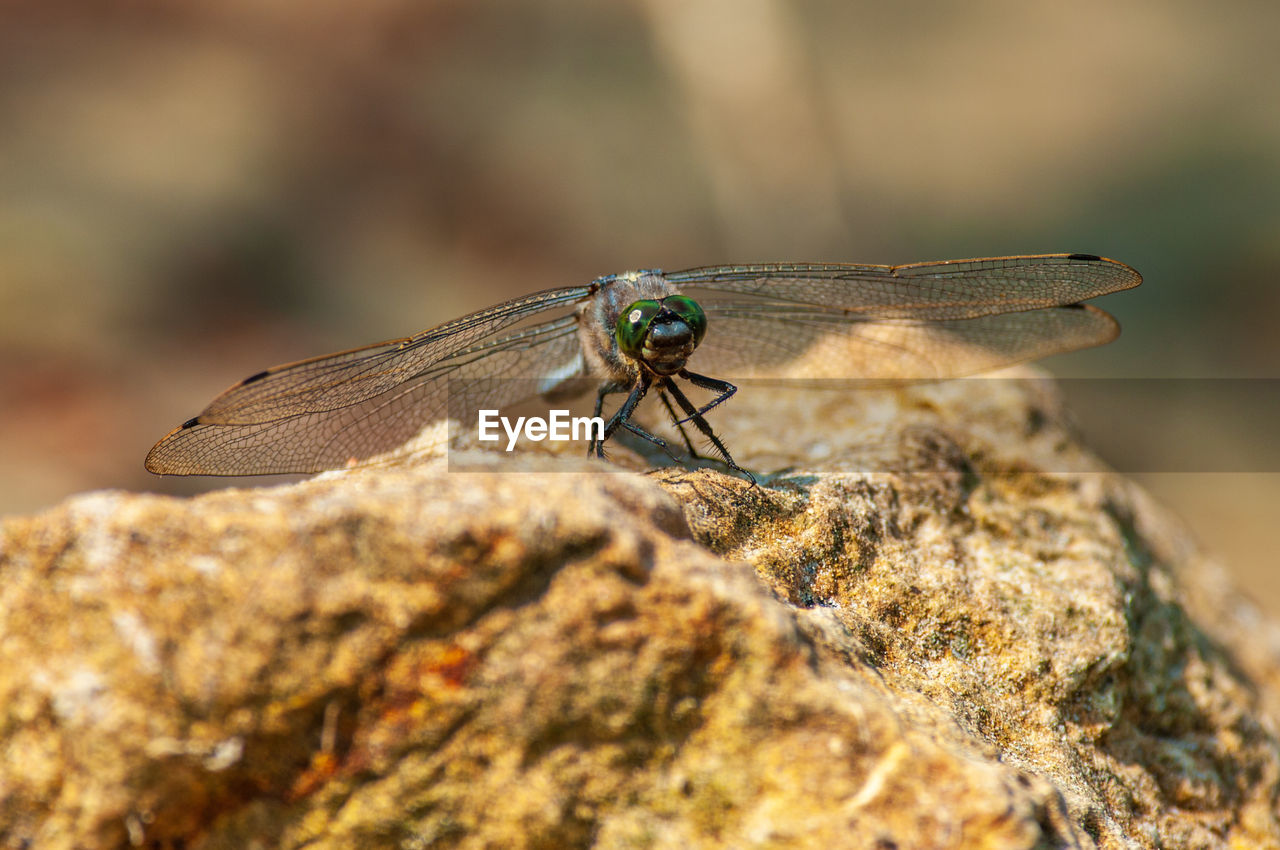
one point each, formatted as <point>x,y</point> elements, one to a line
<point>943,624</point>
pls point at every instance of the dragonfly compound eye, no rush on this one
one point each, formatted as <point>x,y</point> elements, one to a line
<point>690,312</point>
<point>633,326</point>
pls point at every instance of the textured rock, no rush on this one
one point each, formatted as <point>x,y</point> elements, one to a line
<point>960,650</point>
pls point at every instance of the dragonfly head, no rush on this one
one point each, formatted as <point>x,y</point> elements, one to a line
<point>661,334</point>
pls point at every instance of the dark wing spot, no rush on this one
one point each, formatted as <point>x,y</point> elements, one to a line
<point>255,377</point>
<point>192,422</point>
<point>1093,258</point>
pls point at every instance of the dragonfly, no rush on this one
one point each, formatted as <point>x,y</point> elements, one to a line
<point>794,323</point>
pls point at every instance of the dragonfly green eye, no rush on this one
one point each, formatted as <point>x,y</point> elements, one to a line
<point>633,326</point>
<point>690,312</point>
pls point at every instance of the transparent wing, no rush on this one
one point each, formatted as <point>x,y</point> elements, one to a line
<point>325,412</point>
<point>781,321</point>
<point>815,322</point>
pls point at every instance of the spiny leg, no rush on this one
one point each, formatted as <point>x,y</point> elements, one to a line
<point>724,388</point>
<point>656,440</point>
<point>596,447</point>
<point>623,413</point>
<point>621,417</point>
<point>702,425</point>
<point>678,423</point>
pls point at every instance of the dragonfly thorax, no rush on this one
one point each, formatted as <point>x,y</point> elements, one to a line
<point>612,338</point>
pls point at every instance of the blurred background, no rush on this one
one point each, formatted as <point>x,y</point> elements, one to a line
<point>191,192</point>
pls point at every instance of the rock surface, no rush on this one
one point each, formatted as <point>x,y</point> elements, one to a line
<point>988,642</point>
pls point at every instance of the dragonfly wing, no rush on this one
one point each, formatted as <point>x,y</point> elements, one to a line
<point>950,289</point>
<point>825,348</point>
<point>327,412</point>
<point>892,323</point>
<point>339,380</point>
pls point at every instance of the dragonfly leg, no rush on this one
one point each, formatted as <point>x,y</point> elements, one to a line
<point>596,447</point>
<point>679,427</point>
<point>621,415</point>
<point>695,416</point>
<point>657,441</point>
<point>724,388</point>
